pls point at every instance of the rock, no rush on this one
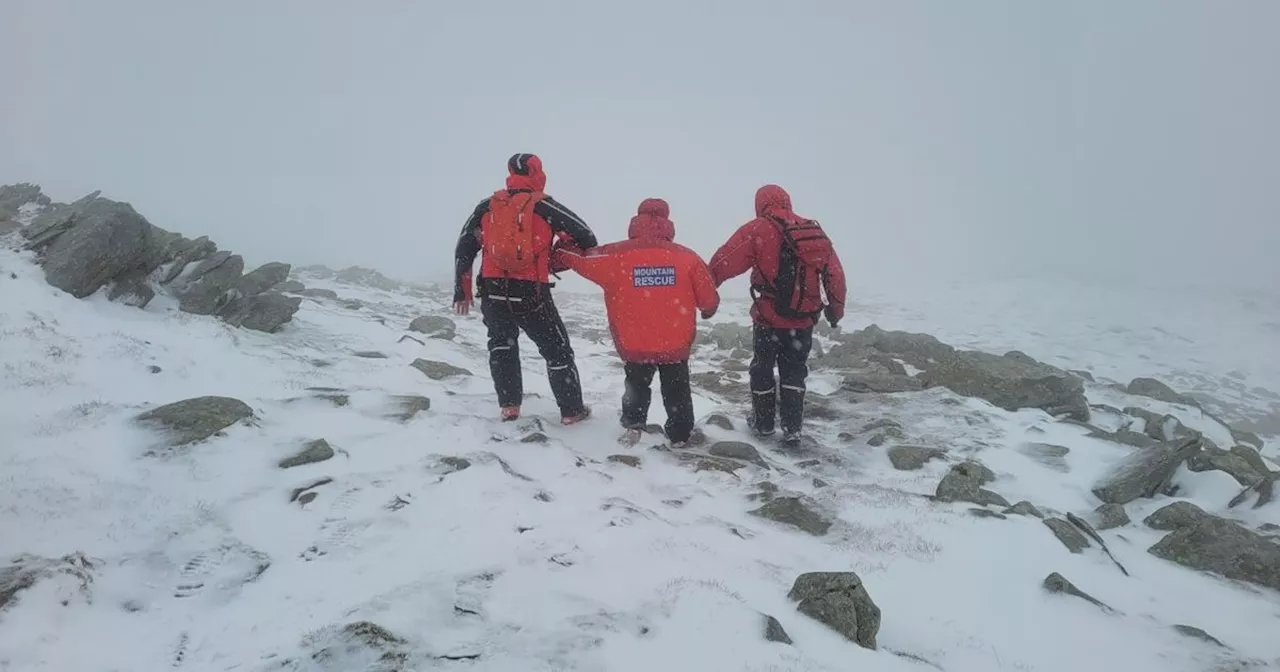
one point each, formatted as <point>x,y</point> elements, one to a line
<point>1197,633</point>
<point>131,290</point>
<point>838,600</point>
<point>1010,383</point>
<point>963,484</point>
<point>185,253</point>
<point>369,354</point>
<point>1220,546</point>
<point>435,326</point>
<point>438,370</point>
<point>367,277</point>
<point>317,293</point>
<point>1048,454</point>
<point>871,382</point>
<point>1161,427</point>
<point>738,451</point>
<point>1245,437</point>
<point>728,336</point>
<point>1125,436</point>
<point>1056,583</point>
<point>291,287</point>
<point>1144,473</point>
<point>773,631</point>
<point>1025,508</point>
<point>24,571</point>
<point>315,451</point>
<point>792,511</point>
<point>196,419</point>
<point>884,426</point>
<point>1240,462</point>
<point>535,437</point>
<point>910,458</point>
<point>1154,389</point>
<point>408,405</point>
<point>7,225</point>
<point>987,513</point>
<point>266,312</point>
<point>721,421</point>
<point>1083,375</point>
<point>919,350</point>
<point>629,460</point>
<point>1176,516</point>
<point>454,464</point>
<point>97,241</point>
<point>300,494</point>
<point>709,463</point>
<point>1264,491</point>
<point>263,278</point>
<point>1110,516</point>
<point>209,288</point>
<point>1067,534</point>
<point>14,196</point>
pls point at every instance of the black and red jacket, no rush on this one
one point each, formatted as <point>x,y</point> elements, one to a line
<point>525,174</point>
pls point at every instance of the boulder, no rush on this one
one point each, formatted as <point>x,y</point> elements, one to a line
<point>963,483</point>
<point>195,419</point>
<point>262,278</point>
<point>92,242</point>
<point>1049,454</point>
<point>209,287</point>
<point>1161,427</point>
<point>792,511</point>
<point>1144,473</point>
<point>629,460</point>
<point>919,350</point>
<point>435,326</point>
<point>1067,534</point>
<point>720,420</point>
<point>14,196</point>
<point>840,601</point>
<point>910,458</point>
<point>315,451</point>
<point>1025,508</point>
<point>1197,633</point>
<point>1261,492</point>
<point>1176,516</point>
<point>266,312</point>
<point>773,630</point>
<point>438,370</point>
<point>1056,583</point>
<point>1218,545</point>
<point>186,252</point>
<point>317,293</point>
<point>1154,389</point>
<point>727,336</point>
<point>290,287</point>
<point>738,450</point>
<point>8,225</point>
<point>1010,383</point>
<point>1240,462</point>
<point>1110,516</point>
<point>131,290</point>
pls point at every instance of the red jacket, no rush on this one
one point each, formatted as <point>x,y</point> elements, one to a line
<point>754,247</point>
<point>652,287</point>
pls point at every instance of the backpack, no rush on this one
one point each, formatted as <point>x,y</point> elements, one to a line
<point>508,234</point>
<point>802,262</point>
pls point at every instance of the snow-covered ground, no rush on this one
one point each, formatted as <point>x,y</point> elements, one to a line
<point>551,556</point>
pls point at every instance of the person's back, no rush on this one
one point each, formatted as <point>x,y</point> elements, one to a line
<point>654,289</point>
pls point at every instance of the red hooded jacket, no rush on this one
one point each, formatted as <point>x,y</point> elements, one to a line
<point>754,247</point>
<point>652,287</point>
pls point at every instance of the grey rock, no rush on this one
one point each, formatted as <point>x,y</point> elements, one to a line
<point>919,350</point>
<point>1154,389</point>
<point>7,225</point>
<point>1125,436</point>
<point>1161,427</point>
<point>840,601</point>
<point>196,419</point>
<point>262,278</point>
<point>290,287</point>
<point>987,513</point>
<point>184,252</point>
<point>727,336</point>
<point>315,451</point>
<point>709,463</point>
<point>435,326</point>
<point>1242,463</point>
<point>1056,583</point>
<point>317,293</point>
<point>1262,492</point>
<point>131,290</point>
<point>1083,375</point>
<point>210,263</point>
<point>1220,546</point>
<point>101,240</point>
<point>872,382</point>
<point>963,483</point>
<point>367,277</point>
<point>300,493</point>
<point>266,312</point>
<point>1144,473</point>
<point>773,631</point>
<point>721,421</point>
<point>535,437</point>
<point>369,354</point>
<point>1067,534</point>
<point>792,511</point>
<point>738,451</point>
<point>210,290</point>
<point>1025,508</point>
<point>25,570</point>
<point>1197,633</point>
<point>406,406</point>
<point>438,370</point>
<point>1245,437</point>
<point>884,426</point>
<point>1010,383</point>
<point>1110,516</point>
<point>1176,516</point>
<point>629,460</point>
<point>454,464</point>
<point>910,458</point>
<point>1048,454</point>
<point>14,196</point>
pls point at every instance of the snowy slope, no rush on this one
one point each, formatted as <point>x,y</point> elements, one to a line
<point>536,556</point>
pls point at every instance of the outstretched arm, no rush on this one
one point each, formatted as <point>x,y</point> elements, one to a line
<point>704,289</point>
<point>596,266</point>
<point>735,257</point>
<point>464,255</point>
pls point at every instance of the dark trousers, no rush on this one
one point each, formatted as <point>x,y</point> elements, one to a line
<point>538,317</point>
<point>788,349</point>
<point>677,398</point>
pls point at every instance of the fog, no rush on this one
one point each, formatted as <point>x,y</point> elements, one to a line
<point>936,141</point>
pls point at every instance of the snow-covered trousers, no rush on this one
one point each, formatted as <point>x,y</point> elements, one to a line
<point>677,398</point>
<point>788,350</point>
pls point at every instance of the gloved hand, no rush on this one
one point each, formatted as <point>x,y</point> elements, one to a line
<point>832,320</point>
<point>706,315</point>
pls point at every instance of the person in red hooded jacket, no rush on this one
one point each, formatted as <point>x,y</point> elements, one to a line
<point>792,263</point>
<point>652,288</point>
<point>520,300</point>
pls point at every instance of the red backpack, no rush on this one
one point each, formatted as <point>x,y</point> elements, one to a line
<point>508,234</point>
<point>802,262</point>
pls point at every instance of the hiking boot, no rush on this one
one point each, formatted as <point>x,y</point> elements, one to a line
<point>751,424</point>
<point>630,437</point>
<point>579,417</point>
<point>791,437</point>
<point>510,413</point>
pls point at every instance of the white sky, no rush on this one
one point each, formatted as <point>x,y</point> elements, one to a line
<point>935,140</point>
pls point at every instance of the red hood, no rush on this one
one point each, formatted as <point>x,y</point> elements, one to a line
<point>774,200</point>
<point>652,221</point>
<point>525,172</point>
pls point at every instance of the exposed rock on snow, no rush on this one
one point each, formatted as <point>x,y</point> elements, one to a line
<point>262,278</point>
<point>1197,633</point>
<point>435,326</point>
<point>1260,493</point>
<point>794,512</point>
<point>1010,383</point>
<point>196,419</point>
<point>314,451</point>
<point>726,336</point>
<point>963,483</point>
<point>1154,389</point>
<point>1056,583</point>
<point>738,450</point>
<point>24,571</point>
<point>438,370</point>
<point>1025,508</point>
<point>774,632</point>
<point>290,287</point>
<point>840,601</point>
<point>1048,454</point>
<point>1242,462</point>
<point>1067,534</point>
<point>720,420</point>
<point>1110,516</point>
<point>317,293</point>
<point>14,196</point>
<point>362,645</point>
<point>629,460</point>
<point>1218,545</point>
<point>1145,473</point>
<point>910,458</point>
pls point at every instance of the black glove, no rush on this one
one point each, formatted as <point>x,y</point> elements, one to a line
<point>830,315</point>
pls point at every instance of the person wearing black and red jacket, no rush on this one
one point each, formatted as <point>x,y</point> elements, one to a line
<point>511,303</point>
<point>778,340</point>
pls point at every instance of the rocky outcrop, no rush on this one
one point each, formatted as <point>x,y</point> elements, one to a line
<point>838,600</point>
<point>1145,473</point>
<point>1260,493</point>
<point>1067,534</point>
<point>15,197</point>
<point>96,243</point>
<point>1241,462</point>
<point>910,458</point>
<point>1206,542</point>
<point>1154,389</point>
<point>738,450</point>
<point>963,483</point>
<point>196,419</point>
<point>1110,516</point>
<point>1010,382</point>
<point>1056,583</point>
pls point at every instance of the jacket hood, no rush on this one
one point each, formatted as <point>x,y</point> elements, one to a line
<point>773,200</point>
<point>524,171</point>
<point>652,220</point>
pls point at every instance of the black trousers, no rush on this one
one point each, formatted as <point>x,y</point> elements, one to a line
<point>539,319</point>
<point>677,398</point>
<point>788,350</point>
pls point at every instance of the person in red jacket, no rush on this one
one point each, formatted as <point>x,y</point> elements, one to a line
<point>652,286</point>
<point>515,228</point>
<point>791,262</point>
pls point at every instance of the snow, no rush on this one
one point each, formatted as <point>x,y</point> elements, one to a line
<point>551,557</point>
